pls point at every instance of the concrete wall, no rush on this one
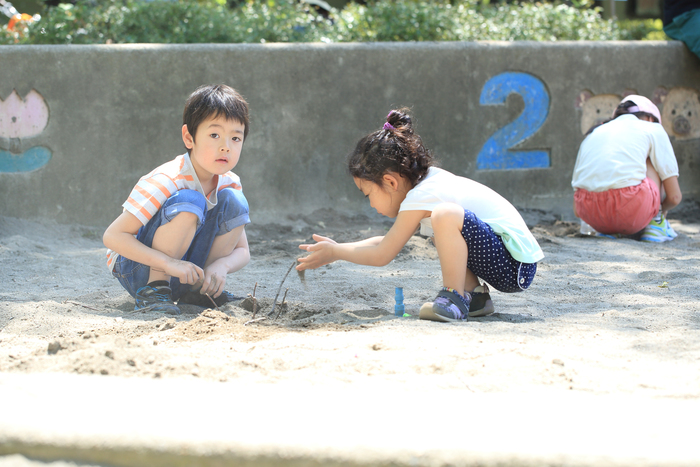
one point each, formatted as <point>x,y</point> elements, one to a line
<point>85,122</point>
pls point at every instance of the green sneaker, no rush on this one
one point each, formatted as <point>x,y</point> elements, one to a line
<point>658,230</point>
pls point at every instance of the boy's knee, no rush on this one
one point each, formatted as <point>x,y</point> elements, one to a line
<point>233,199</point>
<point>187,197</point>
<point>232,205</point>
<point>189,202</point>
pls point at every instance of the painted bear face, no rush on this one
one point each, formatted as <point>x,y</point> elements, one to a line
<point>681,113</point>
<point>596,109</point>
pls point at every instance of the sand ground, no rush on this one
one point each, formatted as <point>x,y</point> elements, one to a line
<point>603,317</point>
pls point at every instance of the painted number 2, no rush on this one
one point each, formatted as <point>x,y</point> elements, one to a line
<point>496,153</point>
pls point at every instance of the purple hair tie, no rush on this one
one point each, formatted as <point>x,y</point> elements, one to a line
<point>388,126</point>
<point>633,109</point>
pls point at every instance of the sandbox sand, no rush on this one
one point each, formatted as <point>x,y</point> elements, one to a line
<point>603,316</point>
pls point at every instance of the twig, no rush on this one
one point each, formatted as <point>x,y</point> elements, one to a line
<point>80,304</point>
<point>254,320</point>
<point>255,302</point>
<point>280,288</point>
<point>302,274</point>
<point>282,303</point>
<point>212,301</point>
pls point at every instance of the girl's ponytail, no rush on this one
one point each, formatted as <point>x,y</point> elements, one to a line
<point>399,120</point>
<point>394,148</point>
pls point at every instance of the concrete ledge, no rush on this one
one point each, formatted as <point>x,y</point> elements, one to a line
<point>138,422</point>
<point>106,115</point>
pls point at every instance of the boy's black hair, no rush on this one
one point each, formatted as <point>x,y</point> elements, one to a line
<point>213,101</point>
<point>394,148</point>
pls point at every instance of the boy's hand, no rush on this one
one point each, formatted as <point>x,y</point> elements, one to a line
<point>214,280</point>
<point>321,253</point>
<point>188,273</point>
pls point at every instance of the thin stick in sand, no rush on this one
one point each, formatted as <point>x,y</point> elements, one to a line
<point>280,287</point>
<point>80,304</point>
<point>282,303</point>
<point>255,301</point>
<point>212,301</point>
<point>254,320</point>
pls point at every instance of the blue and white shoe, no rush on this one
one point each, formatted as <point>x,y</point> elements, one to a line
<point>159,299</point>
<point>447,306</point>
<point>658,230</point>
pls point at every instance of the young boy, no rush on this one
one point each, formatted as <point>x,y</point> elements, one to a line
<point>182,228</point>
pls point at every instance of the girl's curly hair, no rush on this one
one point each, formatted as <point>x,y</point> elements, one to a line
<point>394,148</point>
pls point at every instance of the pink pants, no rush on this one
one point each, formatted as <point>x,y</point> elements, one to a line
<point>620,210</point>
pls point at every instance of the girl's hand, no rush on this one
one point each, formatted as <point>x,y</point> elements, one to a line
<point>321,253</point>
<point>188,273</point>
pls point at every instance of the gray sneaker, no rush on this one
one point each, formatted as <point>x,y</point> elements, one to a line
<point>481,304</point>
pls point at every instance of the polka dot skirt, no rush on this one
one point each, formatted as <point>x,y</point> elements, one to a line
<point>491,261</point>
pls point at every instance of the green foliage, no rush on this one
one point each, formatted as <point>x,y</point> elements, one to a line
<point>544,22</point>
<point>468,21</point>
<point>648,29</point>
<point>256,21</point>
<point>162,21</point>
<point>278,21</point>
<point>401,20</point>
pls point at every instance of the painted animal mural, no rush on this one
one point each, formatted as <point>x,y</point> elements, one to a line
<point>679,107</point>
<point>22,120</point>
<point>595,109</point>
<point>680,114</point>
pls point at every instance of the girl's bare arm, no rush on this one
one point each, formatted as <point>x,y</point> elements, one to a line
<point>673,194</point>
<point>375,251</point>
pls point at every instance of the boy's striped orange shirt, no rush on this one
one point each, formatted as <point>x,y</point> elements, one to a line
<point>154,188</point>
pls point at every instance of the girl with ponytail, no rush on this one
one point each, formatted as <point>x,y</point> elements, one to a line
<point>479,235</point>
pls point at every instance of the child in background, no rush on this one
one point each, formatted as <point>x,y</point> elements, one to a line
<point>624,169</point>
<point>182,228</point>
<point>477,233</point>
<point>682,22</point>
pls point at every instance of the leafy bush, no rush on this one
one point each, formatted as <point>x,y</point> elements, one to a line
<point>128,21</point>
<point>402,20</point>
<point>255,21</point>
<point>648,29</point>
<point>546,22</point>
<point>468,21</point>
<point>278,21</point>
